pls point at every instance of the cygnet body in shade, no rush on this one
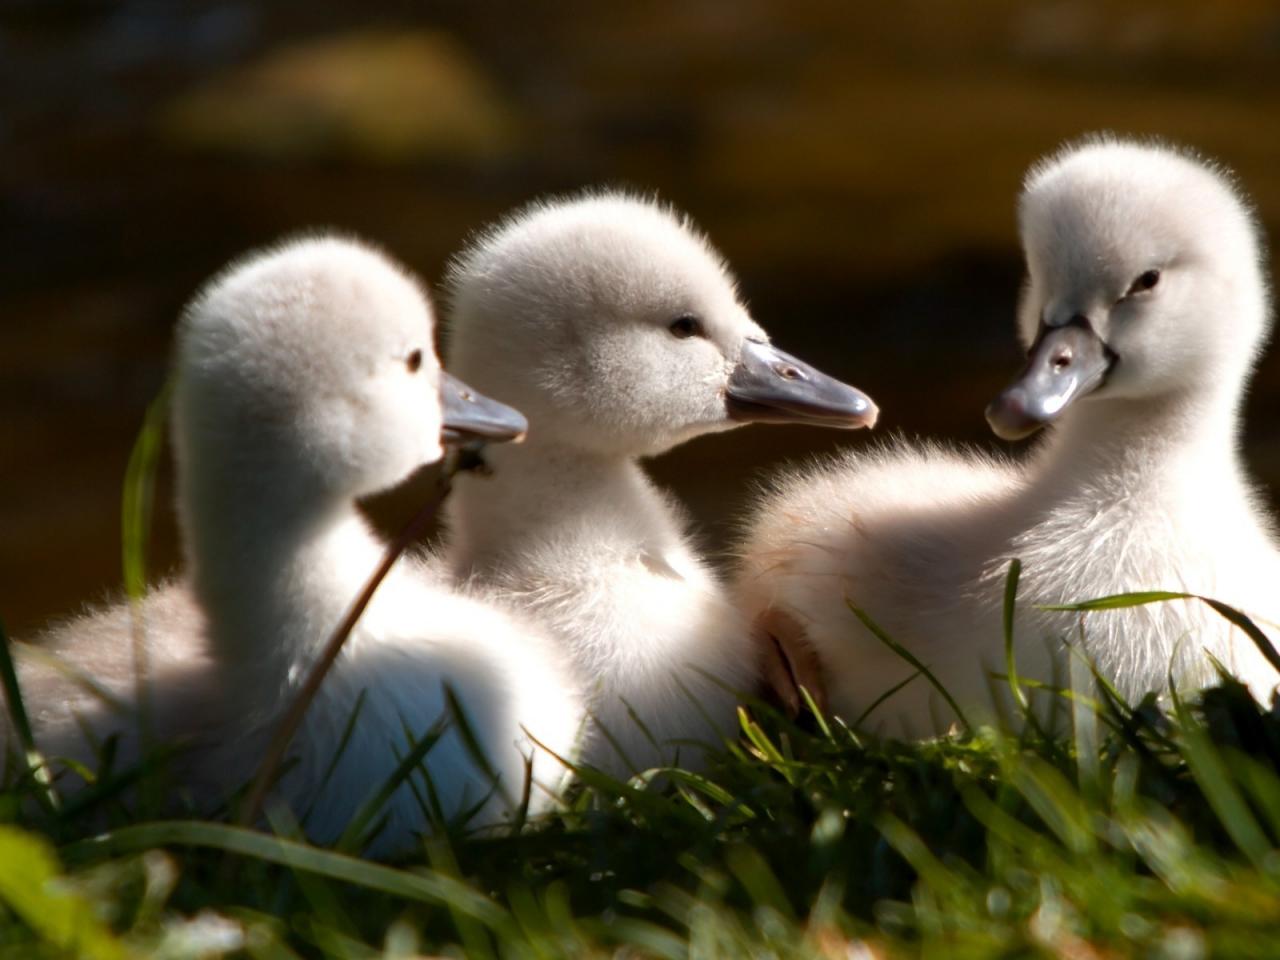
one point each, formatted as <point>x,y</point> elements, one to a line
<point>306,378</point>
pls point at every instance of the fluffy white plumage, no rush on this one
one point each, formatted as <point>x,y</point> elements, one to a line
<point>566,309</point>
<point>306,378</point>
<point>1139,486</point>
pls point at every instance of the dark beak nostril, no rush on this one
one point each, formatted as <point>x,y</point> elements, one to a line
<point>1066,362</point>
<point>789,373</point>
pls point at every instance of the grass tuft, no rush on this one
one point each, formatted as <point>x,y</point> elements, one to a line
<point>1144,830</point>
<point>797,841</point>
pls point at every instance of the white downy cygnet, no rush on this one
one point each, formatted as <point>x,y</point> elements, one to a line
<point>1144,311</point>
<point>307,378</point>
<point>618,331</point>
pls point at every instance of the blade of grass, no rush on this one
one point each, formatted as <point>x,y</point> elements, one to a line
<point>1117,601</point>
<point>643,727</point>
<point>136,505</point>
<point>1059,806</point>
<point>1002,825</point>
<point>428,799</point>
<point>534,923</point>
<point>1251,630</point>
<point>1068,694</point>
<point>1084,730</point>
<point>882,698</point>
<point>475,940</point>
<point>753,872</point>
<point>1008,609</point>
<point>767,750</point>
<point>315,890</point>
<point>46,793</point>
<point>461,820</point>
<point>916,852</point>
<point>419,885</point>
<point>638,801</point>
<point>526,796</point>
<point>711,789</point>
<point>1010,596</point>
<point>645,938</point>
<point>1236,617</point>
<point>108,784</point>
<point>32,887</point>
<point>343,744</point>
<point>139,494</point>
<point>599,725</point>
<point>879,633</point>
<point>697,702</point>
<point>352,835</point>
<point>1260,782</point>
<point>1213,775</point>
<point>467,733</point>
<point>816,712</point>
<point>570,769</point>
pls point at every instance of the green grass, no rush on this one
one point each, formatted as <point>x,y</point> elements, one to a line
<point>1151,830</point>
<point>801,839</point>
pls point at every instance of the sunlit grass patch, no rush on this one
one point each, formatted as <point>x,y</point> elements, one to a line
<point>800,840</point>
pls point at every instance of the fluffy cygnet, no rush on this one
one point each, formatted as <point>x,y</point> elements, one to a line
<point>306,378</point>
<point>618,331</point>
<point>1143,312</point>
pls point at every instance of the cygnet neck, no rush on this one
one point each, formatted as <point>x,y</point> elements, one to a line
<point>275,568</point>
<point>548,486</point>
<point>1174,445</point>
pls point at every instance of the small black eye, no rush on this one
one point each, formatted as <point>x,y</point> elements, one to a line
<point>414,361</point>
<point>685,327</point>
<point>1145,281</point>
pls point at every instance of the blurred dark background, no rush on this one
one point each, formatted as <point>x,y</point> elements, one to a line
<point>857,164</point>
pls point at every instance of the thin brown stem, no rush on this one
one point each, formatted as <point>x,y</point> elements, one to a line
<point>269,768</point>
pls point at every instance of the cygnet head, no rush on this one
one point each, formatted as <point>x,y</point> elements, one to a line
<point>617,328</point>
<point>312,365</point>
<point>316,356</point>
<point>1144,280</point>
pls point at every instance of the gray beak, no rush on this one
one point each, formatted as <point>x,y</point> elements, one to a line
<point>769,386</point>
<point>470,416</point>
<point>1064,364</point>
